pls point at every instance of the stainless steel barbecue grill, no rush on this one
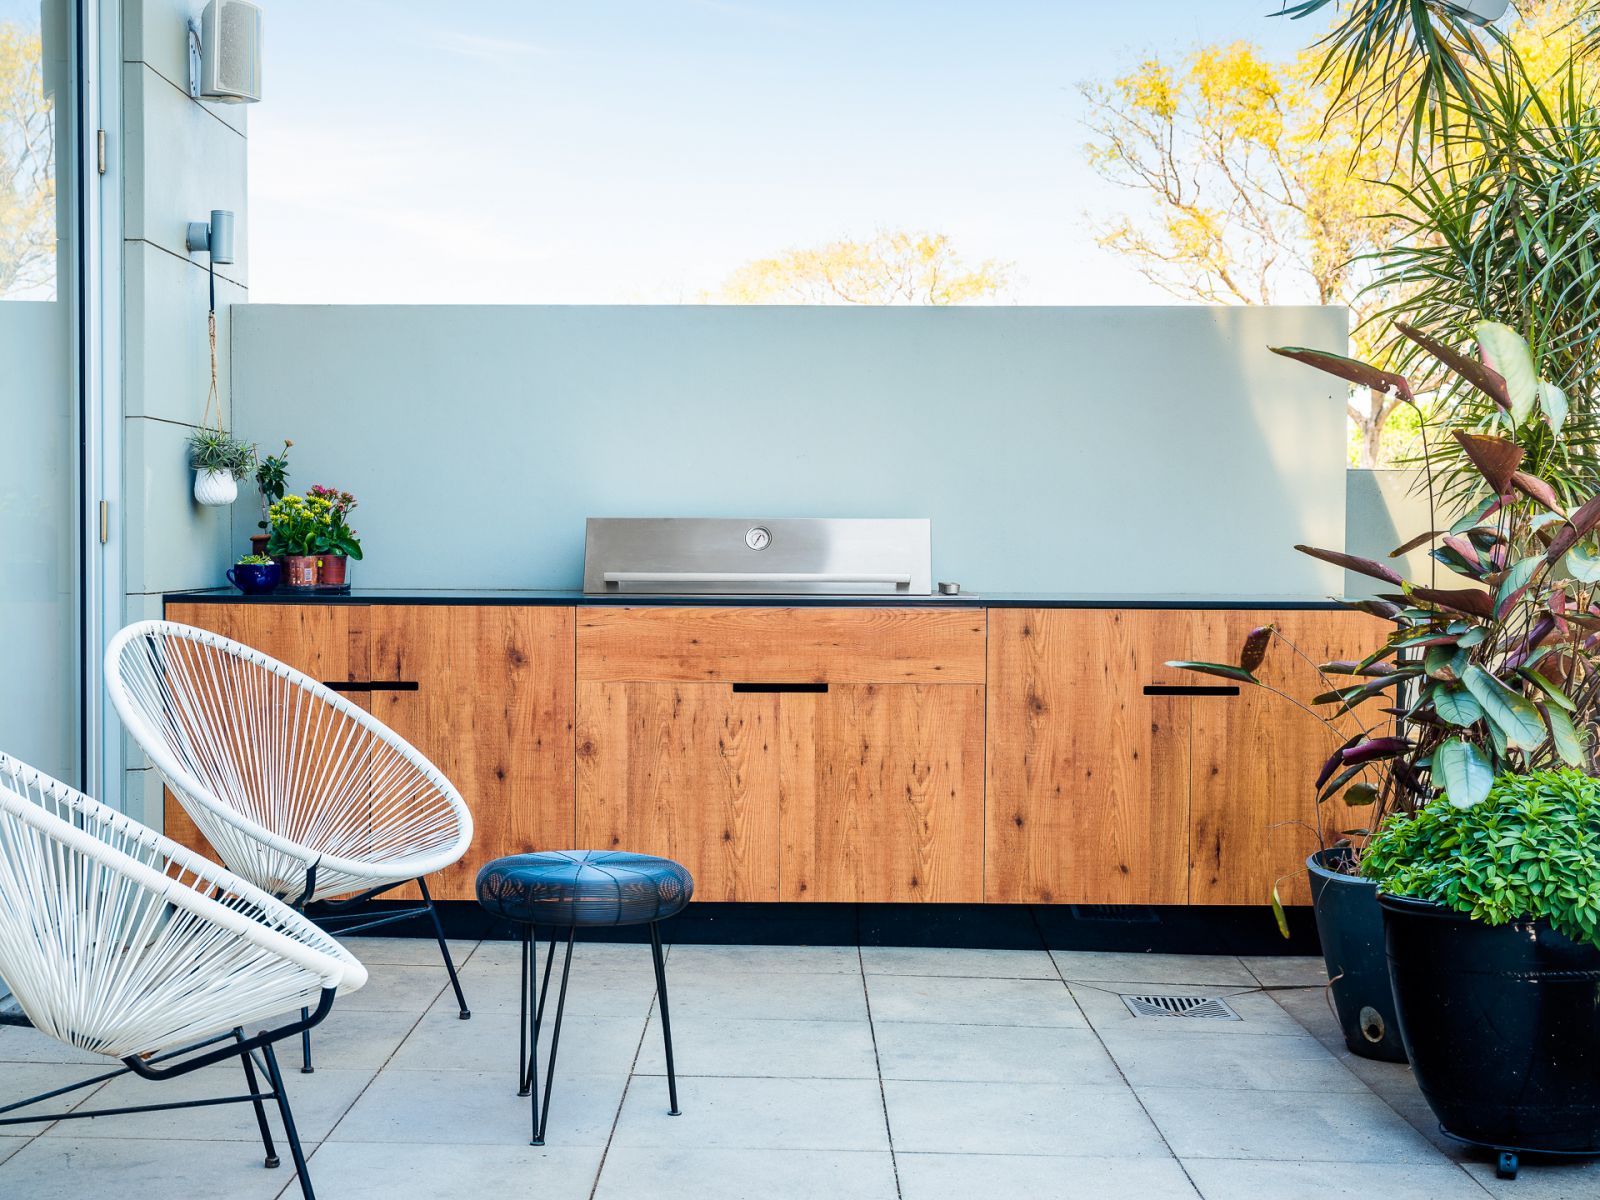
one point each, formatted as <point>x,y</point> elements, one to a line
<point>783,556</point>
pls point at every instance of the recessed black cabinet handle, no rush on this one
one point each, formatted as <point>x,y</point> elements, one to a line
<point>813,688</point>
<point>1190,689</point>
<point>373,685</point>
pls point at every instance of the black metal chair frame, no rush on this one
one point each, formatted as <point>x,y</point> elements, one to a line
<point>330,916</point>
<point>532,1018</point>
<point>238,1046</point>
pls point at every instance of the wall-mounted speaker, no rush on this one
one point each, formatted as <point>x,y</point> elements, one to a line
<point>225,53</point>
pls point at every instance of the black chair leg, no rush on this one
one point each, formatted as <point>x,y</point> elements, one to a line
<point>444,949</point>
<point>666,1019</point>
<point>275,1077</point>
<point>305,1045</point>
<point>261,1111</point>
<point>541,1117</point>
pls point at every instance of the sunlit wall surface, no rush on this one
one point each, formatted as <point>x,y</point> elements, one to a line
<point>39,666</point>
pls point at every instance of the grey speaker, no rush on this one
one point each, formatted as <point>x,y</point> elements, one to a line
<point>229,67</point>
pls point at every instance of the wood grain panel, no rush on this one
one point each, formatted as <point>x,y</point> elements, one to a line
<point>325,641</point>
<point>781,645</point>
<point>687,771</point>
<point>1253,806</point>
<point>1088,777</point>
<point>882,794</point>
<point>493,710</point>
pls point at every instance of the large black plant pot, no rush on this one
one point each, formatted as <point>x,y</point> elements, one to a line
<point>1502,1023</point>
<point>1350,925</point>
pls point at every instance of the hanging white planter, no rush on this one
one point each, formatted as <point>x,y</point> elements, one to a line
<point>215,488</point>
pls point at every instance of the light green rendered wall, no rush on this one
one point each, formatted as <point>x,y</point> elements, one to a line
<point>180,160</point>
<point>1124,451</point>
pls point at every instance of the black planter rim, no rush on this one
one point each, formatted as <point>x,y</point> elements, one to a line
<point>1316,864</point>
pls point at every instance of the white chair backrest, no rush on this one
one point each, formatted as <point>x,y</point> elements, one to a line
<point>119,941</point>
<point>277,770</point>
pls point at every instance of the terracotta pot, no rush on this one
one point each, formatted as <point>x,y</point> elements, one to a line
<point>331,570</point>
<point>258,544</point>
<point>300,570</point>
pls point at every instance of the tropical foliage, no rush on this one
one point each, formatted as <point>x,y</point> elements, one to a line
<point>1531,849</point>
<point>889,268</point>
<point>1493,670</point>
<point>272,480</point>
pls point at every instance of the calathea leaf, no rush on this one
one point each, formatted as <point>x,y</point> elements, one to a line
<point>1578,524</point>
<point>1354,562</point>
<point>1552,693</point>
<point>1554,402</point>
<point>1509,711</point>
<point>1349,369</point>
<point>1485,378</point>
<point>1537,489</point>
<point>1582,563</point>
<point>1226,670</point>
<point>1505,350</point>
<point>1445,663</point>
<point>1564,735</point>
<point>1255,647</point>
<point>1456,705</point>
<point>1463,771</point>
<point>1496,458</point>
<point>1514,581</point>
<point>1359,795</point>
<point>1376,748</point>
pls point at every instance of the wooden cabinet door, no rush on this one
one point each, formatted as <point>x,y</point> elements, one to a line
<point>1088,776</point>
<point>882,793</point>
<point>493,710</point>
<point>325,641</point>
<point>688,771</point>
<point>1253,810</point>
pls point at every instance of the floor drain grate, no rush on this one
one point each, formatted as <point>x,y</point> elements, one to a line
<point>1196,1008</point>
<point>1126,914</point>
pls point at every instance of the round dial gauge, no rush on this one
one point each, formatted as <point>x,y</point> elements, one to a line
<point>758,538</point>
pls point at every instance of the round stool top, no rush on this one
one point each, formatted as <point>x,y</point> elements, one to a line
<point>584,887</point>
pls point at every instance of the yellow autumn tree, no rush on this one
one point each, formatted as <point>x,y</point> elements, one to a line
<point>27,164</point>
<point>888,268</point>
<point>1251,193</point>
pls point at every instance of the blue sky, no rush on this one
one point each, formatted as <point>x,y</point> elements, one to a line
<point>614,151</point>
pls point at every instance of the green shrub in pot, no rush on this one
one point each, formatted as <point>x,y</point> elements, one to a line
<point>1530,851</point>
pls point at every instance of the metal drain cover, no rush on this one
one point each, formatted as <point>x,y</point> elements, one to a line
<point>1196,1008</point>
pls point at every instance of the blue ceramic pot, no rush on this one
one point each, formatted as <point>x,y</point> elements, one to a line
<point>255,579</point>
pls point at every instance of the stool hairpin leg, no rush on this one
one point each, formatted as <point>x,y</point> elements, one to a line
<point>666,1020</point>
<point>542,1118</point>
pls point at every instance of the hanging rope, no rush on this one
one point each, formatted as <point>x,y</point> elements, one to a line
<point>213,397</point>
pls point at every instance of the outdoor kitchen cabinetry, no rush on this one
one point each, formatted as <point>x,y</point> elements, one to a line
<point>484,691</point>
<point>787,753</point>
<point>1114,779</point>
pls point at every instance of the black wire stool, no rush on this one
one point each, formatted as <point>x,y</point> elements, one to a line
<point>568,889</point>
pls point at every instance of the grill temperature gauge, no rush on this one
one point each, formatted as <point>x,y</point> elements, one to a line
<point>758,538</point>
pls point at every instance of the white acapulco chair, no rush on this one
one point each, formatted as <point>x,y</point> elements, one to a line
<point>312,799</point>
<point>119,941</point>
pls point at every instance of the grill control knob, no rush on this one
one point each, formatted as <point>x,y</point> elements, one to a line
<point>758,538</point>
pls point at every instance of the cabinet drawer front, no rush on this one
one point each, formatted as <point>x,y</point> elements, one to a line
<point>781,645</point>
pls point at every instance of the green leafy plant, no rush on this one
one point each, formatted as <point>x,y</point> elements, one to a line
<point>1531,849</point>
<point>1491,672</point>
<point>217,450</point>
<point>272,481</point>
<point>316,523</point>
<point>254,560</point>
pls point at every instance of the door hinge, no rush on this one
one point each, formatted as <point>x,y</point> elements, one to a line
<point>100,150</point>
<point>105,521</point>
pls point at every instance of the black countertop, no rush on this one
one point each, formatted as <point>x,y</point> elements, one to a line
<point>572,598</point>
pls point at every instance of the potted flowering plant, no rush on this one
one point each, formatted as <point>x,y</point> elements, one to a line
<point>336,543</point>
<point>272,481</point>
<point>312,534</point>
